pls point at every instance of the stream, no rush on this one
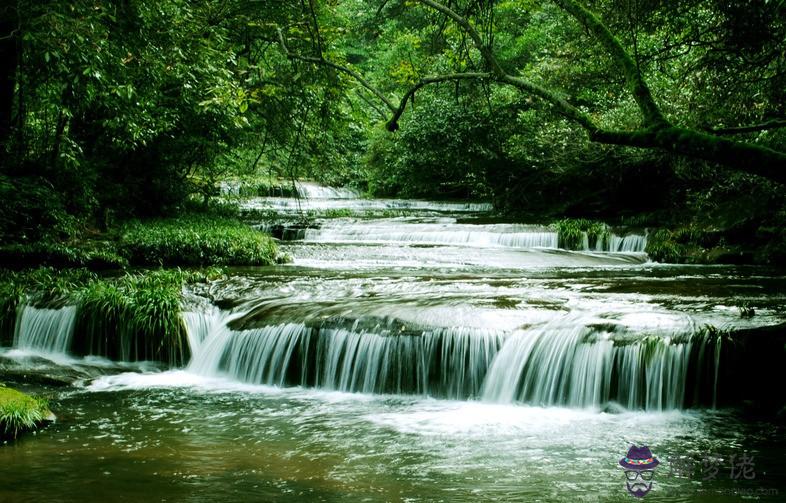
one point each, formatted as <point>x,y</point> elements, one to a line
<point>415,352</point>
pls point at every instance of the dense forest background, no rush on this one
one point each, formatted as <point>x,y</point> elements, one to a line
<point>639,112</point>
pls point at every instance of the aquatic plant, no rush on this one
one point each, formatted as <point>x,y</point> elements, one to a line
<point>662,247</point>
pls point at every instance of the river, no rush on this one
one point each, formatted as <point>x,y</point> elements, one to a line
<point>412,351</point>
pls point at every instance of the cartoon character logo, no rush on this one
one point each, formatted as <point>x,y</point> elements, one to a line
<point>639,465</point>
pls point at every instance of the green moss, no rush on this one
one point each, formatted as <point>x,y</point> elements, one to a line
<point>196,241</point>
<point>20,412</point>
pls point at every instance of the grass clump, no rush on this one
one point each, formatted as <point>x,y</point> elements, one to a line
<point>196,240</point>
<point>48,253</point>
<point>572,231</point>
<point>20,412</point>
<point>133,318</point>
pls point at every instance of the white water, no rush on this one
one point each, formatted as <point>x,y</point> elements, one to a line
<point>312,190</point>
<point>438,231</point>
<point>45,330</point>
<point>564,362</point>
<point>446,231</point>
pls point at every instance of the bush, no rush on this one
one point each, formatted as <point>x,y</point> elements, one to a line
<point>196,241</point>
<point>20,412</point>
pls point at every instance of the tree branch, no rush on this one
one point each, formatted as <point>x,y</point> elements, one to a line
<point>560,103</point>
<point>344,69</point>
<point>636,84</point>
<point>764,126</point>
<point>392,124</point>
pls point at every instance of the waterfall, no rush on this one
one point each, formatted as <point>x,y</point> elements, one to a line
<point>631,243</point>
<point>45,330</point>
<point>310,190</point>
<point>445,362</point>
<point>284,205</point>
<point>566,362</point>
<point>440,231</point>
<point>628,244</point>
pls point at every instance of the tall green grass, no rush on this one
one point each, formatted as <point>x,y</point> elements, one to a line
<point>196,240</point>
<point>571,233</point>
<point>136,316</point>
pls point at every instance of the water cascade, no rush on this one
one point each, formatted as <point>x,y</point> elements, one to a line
<point>447,232</point>
<point>567,362</point>
<point>45,330</point>
<point>311,190</point>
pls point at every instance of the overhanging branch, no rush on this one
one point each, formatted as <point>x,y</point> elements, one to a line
<point>764,126</point>
<point>341,68</point>
<point>392,124</point>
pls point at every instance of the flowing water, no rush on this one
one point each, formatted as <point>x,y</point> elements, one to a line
<point>421,355</point>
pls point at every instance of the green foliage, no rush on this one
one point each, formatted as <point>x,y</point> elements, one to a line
<point>93,256</point>
<point>135,317</point>
<point>445,149</point>
<point>196,241</point>
<point>20,412</point>
<point>571,233</point>
<point>661,247</point>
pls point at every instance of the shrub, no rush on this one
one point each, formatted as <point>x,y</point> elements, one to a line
<point>662,247</point>
<point>135,317</point>
<point>131,317</point>
<point>196,241</point>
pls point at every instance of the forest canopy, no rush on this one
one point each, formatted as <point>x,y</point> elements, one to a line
<point>111,110</point>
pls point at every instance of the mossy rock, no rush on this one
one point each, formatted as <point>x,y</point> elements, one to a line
<point>20,413</point>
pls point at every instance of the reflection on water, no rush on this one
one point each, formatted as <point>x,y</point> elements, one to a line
<point>189,438</point>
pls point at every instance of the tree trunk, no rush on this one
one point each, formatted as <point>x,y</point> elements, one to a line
<point>737,155</point>
<point>8,64</point>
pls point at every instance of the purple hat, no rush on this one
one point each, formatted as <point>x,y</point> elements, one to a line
<point>639,458</point>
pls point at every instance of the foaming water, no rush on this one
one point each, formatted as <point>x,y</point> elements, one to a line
<point>198,434</point>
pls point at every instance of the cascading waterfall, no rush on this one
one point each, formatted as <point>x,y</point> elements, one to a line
<point>565,362</point>
<point>569,364</point>
<point>447,231</point>
<point>446,362</point>
<point>311,190</point>
<point>632,243</point>
<point>45,330</point>
<point>515,236</point>
<point>289,205</point>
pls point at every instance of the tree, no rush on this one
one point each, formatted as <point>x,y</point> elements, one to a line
<point>655,131</point>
